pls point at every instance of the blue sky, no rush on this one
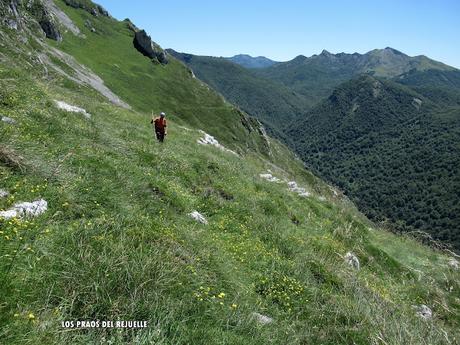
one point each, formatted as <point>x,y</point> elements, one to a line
<point>282,30</point>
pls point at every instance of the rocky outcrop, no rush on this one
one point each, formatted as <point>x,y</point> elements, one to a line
<point>131,25</point>
<point>62,17</point>
<point>9,11</point>
<point>45,18</point>
<point>144,44</point>
<point>95,9</point>
<point>49,26</point>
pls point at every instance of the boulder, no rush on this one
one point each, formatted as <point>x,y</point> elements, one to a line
<point>144,44</point>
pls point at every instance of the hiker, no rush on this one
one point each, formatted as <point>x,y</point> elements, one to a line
<point>160,127</point>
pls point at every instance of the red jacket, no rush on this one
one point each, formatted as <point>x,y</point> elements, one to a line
<point>160,123</point>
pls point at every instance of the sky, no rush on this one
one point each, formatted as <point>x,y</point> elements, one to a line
<point>283,29</point>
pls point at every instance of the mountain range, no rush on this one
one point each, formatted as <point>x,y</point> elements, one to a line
<point>355,140</point>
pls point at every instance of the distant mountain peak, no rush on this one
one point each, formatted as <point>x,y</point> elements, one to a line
<point>300,58</point>
<point>249,61</point>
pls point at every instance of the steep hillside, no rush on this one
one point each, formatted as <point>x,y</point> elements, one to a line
<point>392,150</point>
<point>252,62</point>
<point>442,87</point>
<point>315,77</point>
<point>271,262</point>
<point>272,103</point>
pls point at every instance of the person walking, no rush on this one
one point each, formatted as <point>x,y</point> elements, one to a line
<point>160,126</point>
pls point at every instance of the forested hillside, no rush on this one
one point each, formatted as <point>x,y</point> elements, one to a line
<point>395,153</point>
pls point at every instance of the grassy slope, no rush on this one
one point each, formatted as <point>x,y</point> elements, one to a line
<point>116,242</point>
<point>111,55</point>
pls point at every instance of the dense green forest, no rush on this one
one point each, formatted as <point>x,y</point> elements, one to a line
<point>393,151</point>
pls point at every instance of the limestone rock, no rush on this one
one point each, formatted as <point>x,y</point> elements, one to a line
<point>8,120</point>
<point>144,44</point>
<point>71,108</point>
<point>49,27</point>
<point>352,260</point>
<point>269,177</point>
<point>262,319</point>
<point>293,187</point>
<point>210,140</point>
<point>94,9</point>
<point>25,209</point>
<point>11,19</point>
<point>131,26</point>
<point>198,217</point>
<point>423,311</point>
<point>61,17</point>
